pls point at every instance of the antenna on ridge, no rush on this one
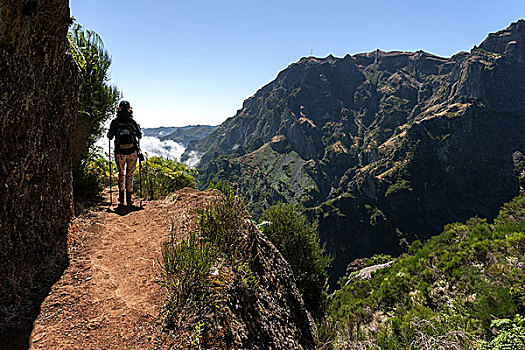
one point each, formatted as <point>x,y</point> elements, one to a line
<point>311,52</point>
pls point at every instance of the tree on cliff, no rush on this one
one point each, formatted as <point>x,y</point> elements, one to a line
<point>298,241</point>
<point>97,103</point>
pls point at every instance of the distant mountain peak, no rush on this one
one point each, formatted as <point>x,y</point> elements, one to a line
<point>509,41</point>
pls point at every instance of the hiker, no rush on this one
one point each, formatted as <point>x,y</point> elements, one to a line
<point>126,133</point>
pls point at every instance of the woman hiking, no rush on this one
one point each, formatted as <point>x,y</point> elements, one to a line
<point>126,133</point>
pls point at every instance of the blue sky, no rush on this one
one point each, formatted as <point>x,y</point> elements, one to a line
<point>194,62</point>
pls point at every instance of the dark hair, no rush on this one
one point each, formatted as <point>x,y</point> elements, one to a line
<point>125,113</point>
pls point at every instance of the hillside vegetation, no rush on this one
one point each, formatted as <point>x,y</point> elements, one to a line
<point>463,289</point>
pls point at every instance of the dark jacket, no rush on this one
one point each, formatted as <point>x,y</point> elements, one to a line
<point>113,129</point>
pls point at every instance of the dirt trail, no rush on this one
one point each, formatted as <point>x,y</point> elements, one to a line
<point>107,298</point>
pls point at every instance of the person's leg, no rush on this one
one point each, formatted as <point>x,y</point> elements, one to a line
<point>121,165</point>
<point>131,165</point>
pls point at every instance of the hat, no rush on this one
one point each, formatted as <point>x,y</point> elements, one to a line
<point>124,104</point>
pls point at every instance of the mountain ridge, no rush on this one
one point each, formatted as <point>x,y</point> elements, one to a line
<point>382,147</point>
<point>183,135</point>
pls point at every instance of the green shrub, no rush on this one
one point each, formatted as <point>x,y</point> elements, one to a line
<point>98,99</point>
<point>86,185</point>
<point>223,224</point>
<point>160,176</point>
<point>378,259</point>
<point>455,284</point>
<point>198,272</point>
<point>90,176</point>
<point>298,241</point>
<point>223,187</point>
<point>400,185</point>
<point>157,177</point>
<point>96,104</point>
<point>186,267</point>
<point>511,334</point>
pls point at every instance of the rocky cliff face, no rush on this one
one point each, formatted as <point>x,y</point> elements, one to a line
<point>39,93</point>
<point>248,299</point>
<point>384,147</point>
<point>270,315</point>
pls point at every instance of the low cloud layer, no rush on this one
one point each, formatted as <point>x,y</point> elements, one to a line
<point>155,147</point>
<point>193,159</point>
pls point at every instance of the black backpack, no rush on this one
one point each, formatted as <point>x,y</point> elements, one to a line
<point>125,136</point>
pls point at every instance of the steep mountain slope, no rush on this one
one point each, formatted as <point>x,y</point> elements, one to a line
<point>383,147</point>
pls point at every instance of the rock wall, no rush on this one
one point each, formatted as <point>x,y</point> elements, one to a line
<point>39,93</point>
<point>272,315</point>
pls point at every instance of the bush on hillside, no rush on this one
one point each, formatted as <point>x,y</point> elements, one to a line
<point>87,185</point>
<point>510,334</point>
<point>456,284</point>
<point>160,176</point>
<point>97,103</point>
<point>91,175</point>
<point>98,98</point>
<point>298,241</point>
<point>197,271</point>
<point>186,266</point>
<point>223,187</point>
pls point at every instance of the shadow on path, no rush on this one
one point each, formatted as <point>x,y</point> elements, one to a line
<point>123,210</point>
<point>18,337</point>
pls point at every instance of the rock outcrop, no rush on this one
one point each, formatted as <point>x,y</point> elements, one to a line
<point>39,94</point>
<point>249,298</point>
<point>383,147</point>
<point>271,315</point>
<point>507,42</point>
<point>519,168</point>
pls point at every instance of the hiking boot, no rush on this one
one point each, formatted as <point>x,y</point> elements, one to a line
<point>121,197</point>
<point>129,198</point>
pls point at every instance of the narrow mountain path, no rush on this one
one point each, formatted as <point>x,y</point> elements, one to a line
<point>107,298</point>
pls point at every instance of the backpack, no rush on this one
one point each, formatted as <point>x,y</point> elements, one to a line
<point>125,136</point>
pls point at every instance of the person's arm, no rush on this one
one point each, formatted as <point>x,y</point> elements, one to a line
<point>137,129</point>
